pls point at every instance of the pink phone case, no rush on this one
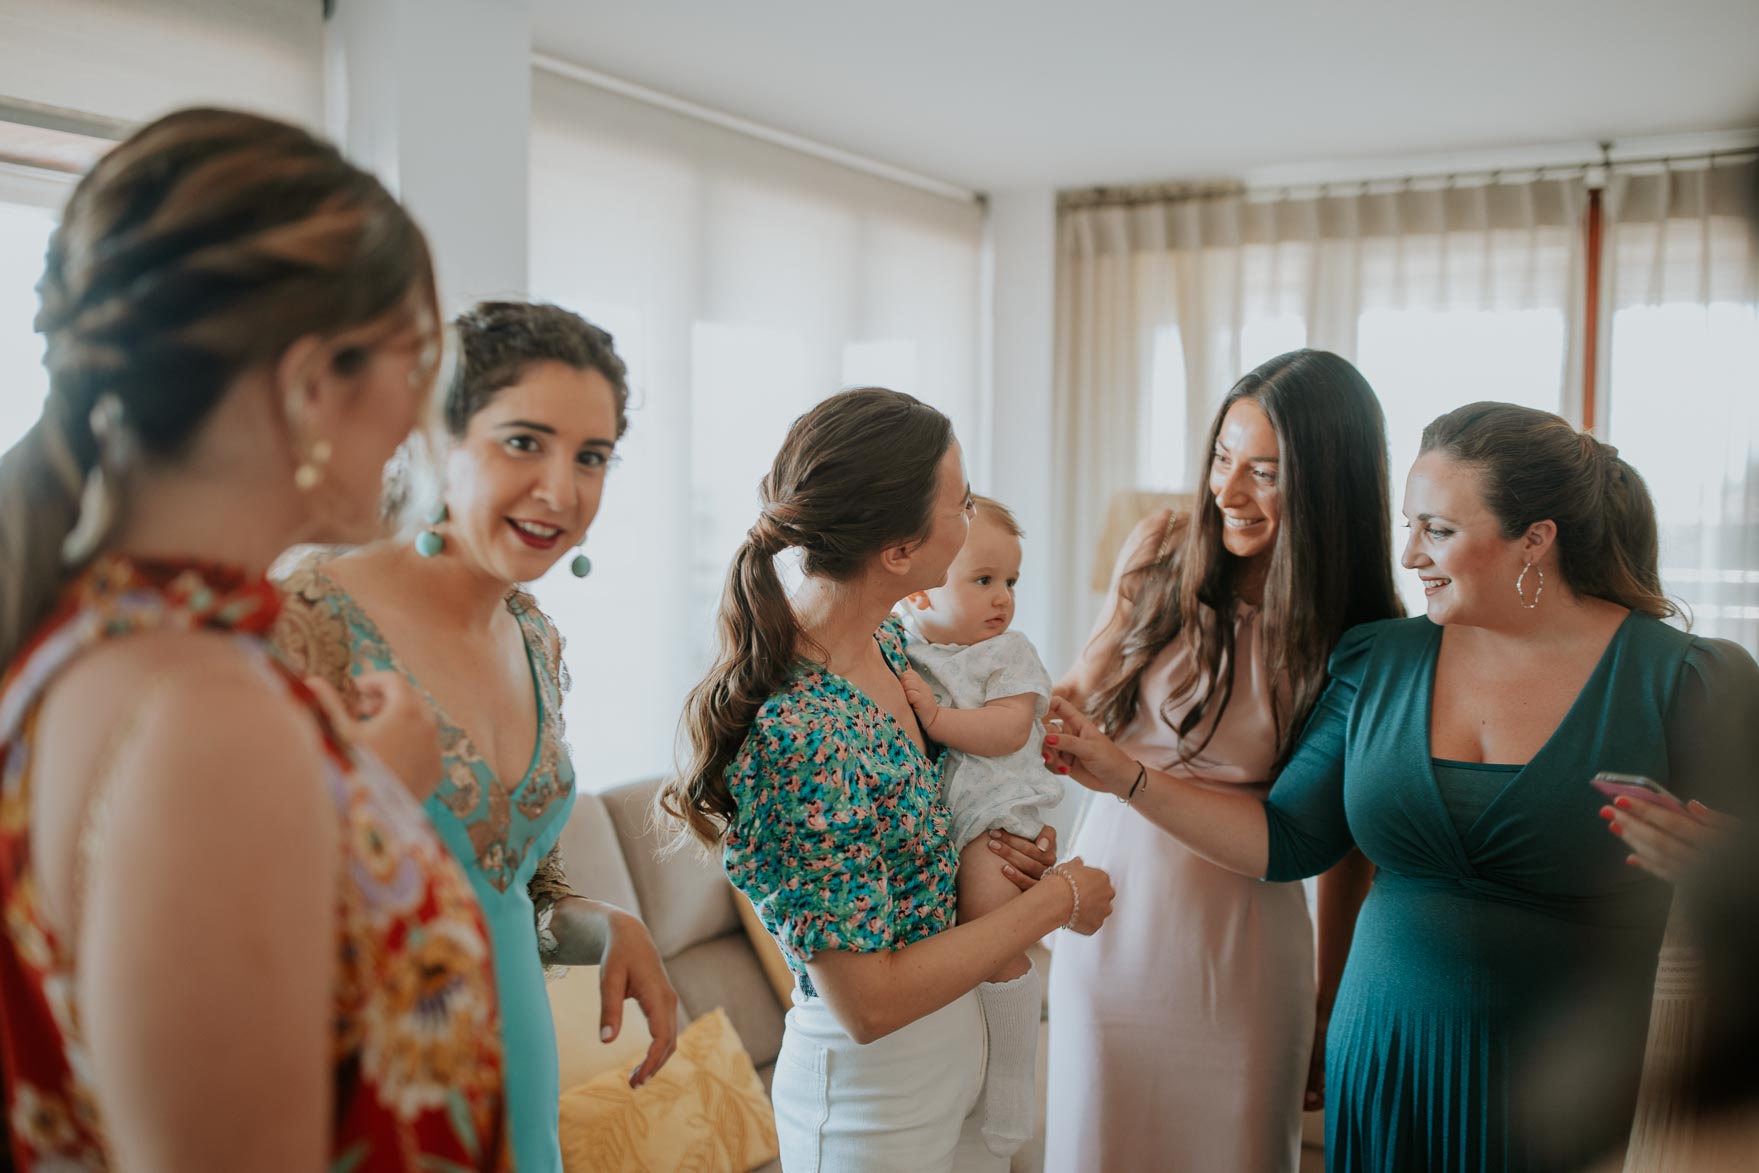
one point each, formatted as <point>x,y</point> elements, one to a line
<point>1638,789</point>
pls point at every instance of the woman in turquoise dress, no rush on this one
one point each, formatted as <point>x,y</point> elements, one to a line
<point>1455,749</point>
<point>533,413</point>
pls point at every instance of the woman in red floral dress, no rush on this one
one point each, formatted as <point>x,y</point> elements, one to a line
<point>231,939</point>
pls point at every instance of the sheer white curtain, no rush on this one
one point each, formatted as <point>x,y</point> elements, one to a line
<point>1442,294</point>
<point>1682,402</point>
<point>743,283</point>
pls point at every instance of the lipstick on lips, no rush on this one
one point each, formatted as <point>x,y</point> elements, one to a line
<point>535,534</point>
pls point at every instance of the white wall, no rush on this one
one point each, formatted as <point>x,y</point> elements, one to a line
<point>1021,445</point>
<point>1020,448</point>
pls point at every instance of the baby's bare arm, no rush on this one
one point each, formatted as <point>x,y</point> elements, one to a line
<point>994,731</point>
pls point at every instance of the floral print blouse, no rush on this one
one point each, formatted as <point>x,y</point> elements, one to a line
<point>841,840</point>
<point>415,1045</point>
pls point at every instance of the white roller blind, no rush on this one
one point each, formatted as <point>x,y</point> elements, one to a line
<point>743,282</point>
<point>136,59</point>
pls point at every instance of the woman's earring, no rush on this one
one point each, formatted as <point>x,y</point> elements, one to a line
<point>429,543</point>
<point>581,566</point>
<point>1521,581</point>
<point>310,473</point>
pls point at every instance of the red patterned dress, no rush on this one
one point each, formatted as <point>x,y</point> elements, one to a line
<point>417,1056</point>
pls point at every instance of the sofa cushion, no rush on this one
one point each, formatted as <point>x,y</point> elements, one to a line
<point>684,894</point>
<point>705,1109</point>
<point>725,973</point>
<point>592,856</point>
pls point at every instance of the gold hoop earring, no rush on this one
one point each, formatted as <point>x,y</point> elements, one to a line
<point>310,474</point>
<point>1537,591</point>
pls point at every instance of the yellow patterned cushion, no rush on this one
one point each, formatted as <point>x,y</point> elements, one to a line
<point>769,954</point>
<point>705,1111</point>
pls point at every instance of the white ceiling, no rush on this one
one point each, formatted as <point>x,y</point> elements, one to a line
<point>1000,94</point>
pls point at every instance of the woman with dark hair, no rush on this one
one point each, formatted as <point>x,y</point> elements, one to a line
<point>810,773</point>
<point>1192,1032</point>
<point>533,416</point>
<point>1456,749</point>
<point>231,939</point>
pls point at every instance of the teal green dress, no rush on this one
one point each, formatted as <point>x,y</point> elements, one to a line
<point>1500,900</point>
<point>503,832</point>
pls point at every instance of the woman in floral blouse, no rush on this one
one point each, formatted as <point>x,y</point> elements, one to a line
<point>231,939</point>
<point>811,774</point>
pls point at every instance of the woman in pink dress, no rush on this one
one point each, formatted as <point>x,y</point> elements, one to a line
<point>1186,1036</point>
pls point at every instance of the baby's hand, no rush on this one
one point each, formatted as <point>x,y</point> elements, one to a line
<point>921,697</point>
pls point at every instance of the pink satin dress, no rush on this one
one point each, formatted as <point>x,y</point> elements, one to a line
<point>1180,1033</point>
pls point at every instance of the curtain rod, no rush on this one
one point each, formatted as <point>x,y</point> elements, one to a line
<point>1125,197</point>
<point>756,130</point>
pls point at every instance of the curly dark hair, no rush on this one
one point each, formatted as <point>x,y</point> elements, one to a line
<point>498,340</point>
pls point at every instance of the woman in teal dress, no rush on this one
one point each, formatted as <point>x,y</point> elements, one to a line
<point>1455,749</point>
<point>534,413</point>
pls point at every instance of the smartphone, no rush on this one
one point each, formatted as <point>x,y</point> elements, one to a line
<point>1638,787</point>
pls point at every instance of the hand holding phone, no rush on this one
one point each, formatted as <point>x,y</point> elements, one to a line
<point>1638,788</point>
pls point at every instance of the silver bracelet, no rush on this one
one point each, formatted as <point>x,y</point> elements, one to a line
<point>1074,890</point>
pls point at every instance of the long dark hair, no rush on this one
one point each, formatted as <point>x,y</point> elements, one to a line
<point>1330,565</point>
<point>1538,467</point>
<point>855,475</point>
<point>205,244</point>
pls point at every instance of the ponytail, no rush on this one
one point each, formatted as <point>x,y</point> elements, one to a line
<point>758,638</point>
<point>42,479</point>
<point>831,495</point>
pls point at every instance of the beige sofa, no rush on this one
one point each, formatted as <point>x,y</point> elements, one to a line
<point>610,851</point>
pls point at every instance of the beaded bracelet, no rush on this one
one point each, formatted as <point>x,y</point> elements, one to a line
<point>1074,890</point>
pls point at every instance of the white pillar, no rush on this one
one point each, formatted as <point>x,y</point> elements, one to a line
<point>434,96</point>
<point>1021,449</point>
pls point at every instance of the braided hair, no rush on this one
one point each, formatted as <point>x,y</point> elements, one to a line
<point>201,247</point>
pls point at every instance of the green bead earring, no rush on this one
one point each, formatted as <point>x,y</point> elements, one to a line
<point>429,543</point>
<point>581,566</point>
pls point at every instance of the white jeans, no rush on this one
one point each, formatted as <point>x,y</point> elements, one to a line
<point>910,1101</point>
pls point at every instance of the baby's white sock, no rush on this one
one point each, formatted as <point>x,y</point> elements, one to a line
<point>1011,1013</point>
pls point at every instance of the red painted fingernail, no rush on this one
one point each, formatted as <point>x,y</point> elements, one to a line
<point>1615,828</point>
<point>1623,804</point>
<point>1051,740</point>
<point>1606,812</point>
<point>1631,860</point>
<point>1062,769</point>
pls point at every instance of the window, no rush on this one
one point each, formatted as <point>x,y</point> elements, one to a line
<point>24,239</point>
<point>743,283</point>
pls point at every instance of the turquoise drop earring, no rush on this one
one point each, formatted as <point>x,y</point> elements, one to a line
<point>429,543</point>
<point>581,566</point>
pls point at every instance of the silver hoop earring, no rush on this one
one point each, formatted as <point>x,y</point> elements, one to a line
<point>1537,591</point>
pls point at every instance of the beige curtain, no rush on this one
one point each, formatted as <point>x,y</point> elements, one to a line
<point>1682,388</point>
<point>1442,293</point>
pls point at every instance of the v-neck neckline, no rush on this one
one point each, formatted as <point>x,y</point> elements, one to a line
<point>1516,771</point>
<point>861,697</point>
<point>442,717</point>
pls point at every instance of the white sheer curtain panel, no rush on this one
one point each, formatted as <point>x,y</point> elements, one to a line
<point>1682,402</point>
<point>743,283</point>
<point>1441,293</point>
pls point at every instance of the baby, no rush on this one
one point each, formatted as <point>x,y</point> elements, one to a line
<point>981,690</point>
